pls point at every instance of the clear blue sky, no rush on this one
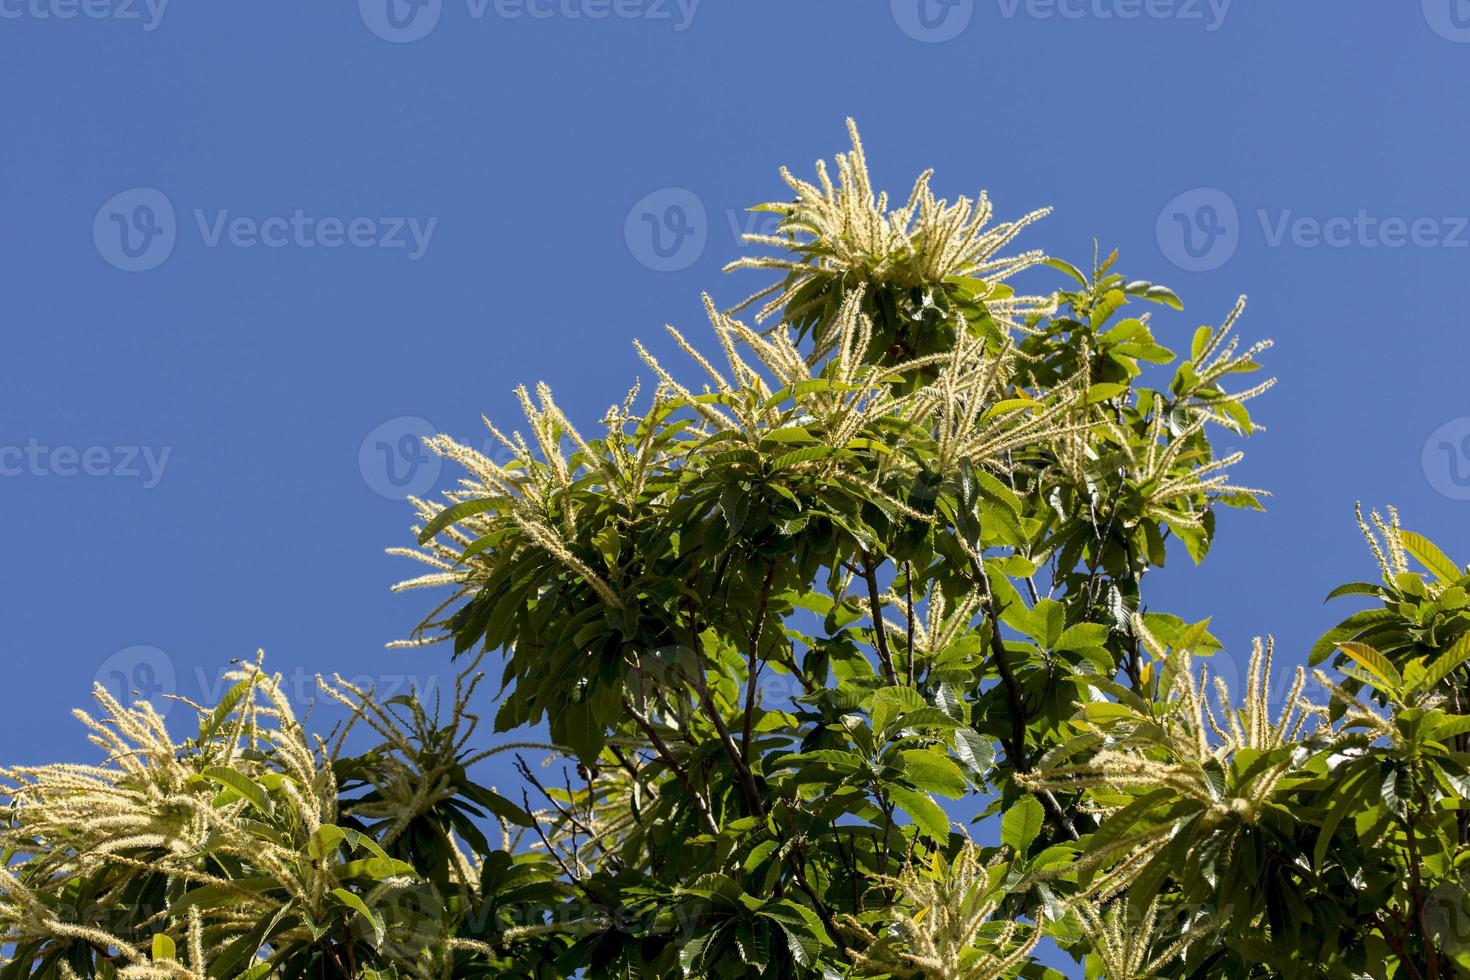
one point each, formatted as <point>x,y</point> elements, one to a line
<point>443,201</point>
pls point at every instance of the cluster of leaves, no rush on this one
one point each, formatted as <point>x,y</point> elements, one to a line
<point>881,572</point>
<point>246,851</point>
<point>777,622</point>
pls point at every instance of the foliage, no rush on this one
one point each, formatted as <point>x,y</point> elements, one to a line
<point>248,850</point>
<point>879,572</point>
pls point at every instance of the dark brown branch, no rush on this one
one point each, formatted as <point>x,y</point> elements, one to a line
<point>748,787</point>
<point>908,582</point>
<point>880,634</point>
<point>662,748</point>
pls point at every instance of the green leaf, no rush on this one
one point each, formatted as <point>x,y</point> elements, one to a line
<point>1049,621</point>
<point>356,904</point>
<point>1446,663</point>
<point>892,703</point>
<point>1201,338</point>
<point>1107,712</point>
<point>222,710</point>
<point>377,869</point>
<point>163,948</point>
<point>1155,294</point>
<point>1061,265</point>
<point>1376,663</point>
<point>328,838</point>
<point>1355,588</point>
<point>975,750</point>
<point>933,772</point>
<point>1346,796</point>
<point>240,784</point>
<point>1431,557</point>
<point>1022,823</point>
<point>927,815</point>
<point>498,805</point>
<point>458,512</point>
<point>1450,727</point>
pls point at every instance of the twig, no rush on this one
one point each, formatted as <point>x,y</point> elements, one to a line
<point>880,637</point>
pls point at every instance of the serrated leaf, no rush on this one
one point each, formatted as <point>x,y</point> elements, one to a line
<point>1022,823</point>
<point>240,784</point>
<point>926,814</point>
<point>974,750</point>
<point>933,772</point>
<point>1431,557</point>
<point>222,710</point>
<point>377,869</point>
<point>1446,663</point>
<point>1374,662</point>
<point>452,515</point>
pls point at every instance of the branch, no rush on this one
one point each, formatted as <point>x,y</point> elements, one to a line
<point>1016,744</point>
<point>752,674</point>
<point>908,583</point>
<point>880,636</point>
<point>1431,955</point>
<point>662,748</point>
<point>748,787</point>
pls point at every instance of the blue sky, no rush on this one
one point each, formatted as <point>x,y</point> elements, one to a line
<point>247,246</point>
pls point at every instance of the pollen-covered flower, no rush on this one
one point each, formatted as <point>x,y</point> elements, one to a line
<point>842,236</point>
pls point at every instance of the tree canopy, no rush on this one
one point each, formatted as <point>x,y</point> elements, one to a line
<point>841,636</point>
